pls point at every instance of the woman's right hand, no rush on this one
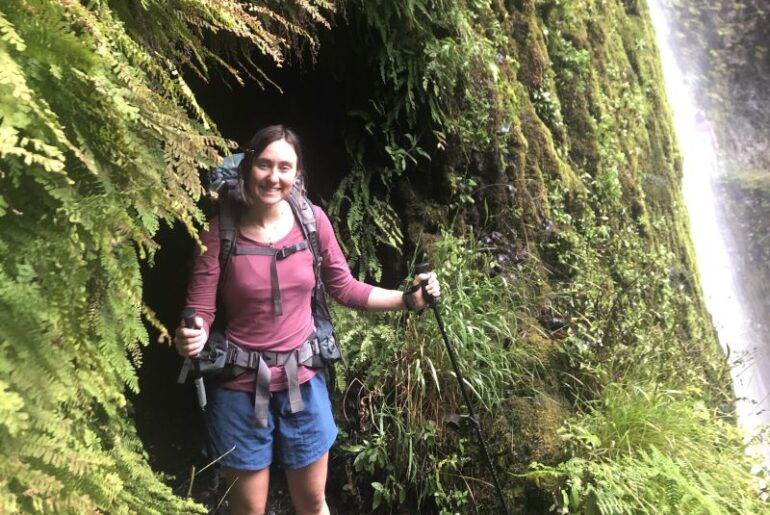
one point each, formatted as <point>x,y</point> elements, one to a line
<point>190,342</point>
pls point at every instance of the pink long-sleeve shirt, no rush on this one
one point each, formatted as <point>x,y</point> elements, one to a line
<point>247,296</point>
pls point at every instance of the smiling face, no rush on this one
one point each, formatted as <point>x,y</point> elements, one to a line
<point>273,173</point>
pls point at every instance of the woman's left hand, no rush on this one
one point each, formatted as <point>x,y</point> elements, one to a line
<point>431,287</point>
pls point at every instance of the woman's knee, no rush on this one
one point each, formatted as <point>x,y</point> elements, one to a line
<point>248,491</point>
<point>307,487</point>
<point>244,505</point>
<point>314,503</point>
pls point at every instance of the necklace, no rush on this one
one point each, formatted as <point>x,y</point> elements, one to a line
<point>270,230</point>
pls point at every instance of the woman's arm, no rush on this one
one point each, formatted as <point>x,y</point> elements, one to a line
<point>338,280</point>
<point>201,294</point>
<point>381,299</point>
<point>354,293</point>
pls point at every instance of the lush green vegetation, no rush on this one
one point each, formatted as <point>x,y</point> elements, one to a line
<point>524,146</point>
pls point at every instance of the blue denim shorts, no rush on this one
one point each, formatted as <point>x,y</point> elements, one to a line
<point>293,440</point>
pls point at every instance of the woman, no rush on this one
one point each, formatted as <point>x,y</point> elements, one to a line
<point>302,440</point>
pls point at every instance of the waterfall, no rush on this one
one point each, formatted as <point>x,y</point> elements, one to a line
<point>722,283</point>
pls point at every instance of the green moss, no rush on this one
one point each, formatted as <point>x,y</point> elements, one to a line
<point>535,424</point>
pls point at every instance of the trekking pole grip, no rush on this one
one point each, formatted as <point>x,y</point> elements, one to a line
<point>424,268</point>
<point>188,316</point>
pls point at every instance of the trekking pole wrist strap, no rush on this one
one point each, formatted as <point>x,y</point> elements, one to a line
<point>408,297</point>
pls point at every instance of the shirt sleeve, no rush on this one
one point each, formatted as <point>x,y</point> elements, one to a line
<point>338,280</point>
<point>202,288</point>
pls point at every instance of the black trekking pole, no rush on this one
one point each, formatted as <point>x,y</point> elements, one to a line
<point>188,314</point>
<point>433,303</point>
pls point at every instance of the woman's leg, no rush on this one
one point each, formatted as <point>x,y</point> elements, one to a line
<point>307,486</point>
<point>245,450</point>
<point>248,495</point>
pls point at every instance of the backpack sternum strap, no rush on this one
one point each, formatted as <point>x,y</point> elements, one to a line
<point>275,254</point>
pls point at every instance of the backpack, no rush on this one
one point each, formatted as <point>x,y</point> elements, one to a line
<point>225,184</point>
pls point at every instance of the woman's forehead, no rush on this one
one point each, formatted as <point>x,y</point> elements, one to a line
<point>279,150</point>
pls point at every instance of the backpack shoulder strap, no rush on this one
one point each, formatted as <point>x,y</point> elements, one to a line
<point>224,184</point>
<point>228,230</point>
<point>303,211</point>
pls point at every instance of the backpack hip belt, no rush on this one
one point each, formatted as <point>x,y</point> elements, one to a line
<point>307,354</point>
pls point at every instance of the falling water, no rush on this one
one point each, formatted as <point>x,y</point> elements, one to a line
<point>714,246</point>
